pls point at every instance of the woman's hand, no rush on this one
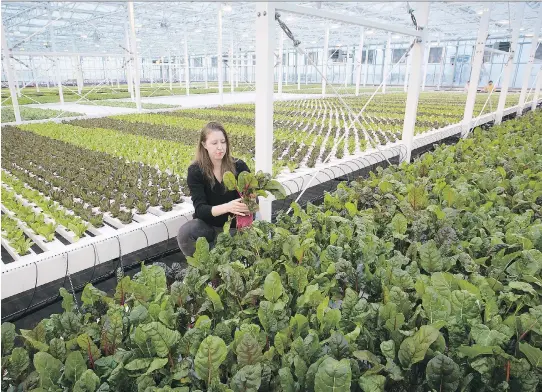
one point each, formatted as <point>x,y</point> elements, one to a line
<point>237,207</point>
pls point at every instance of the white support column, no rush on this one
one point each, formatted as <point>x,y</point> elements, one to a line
<point>426,64</point>
<point>387,61</point>
<point>442,63</point>
<point>151,72</point>
<point>281,59</point>
<point>537,89</point>
<point>35,79</point>
<point>186,65</point>
<point>56,58</point>
<point>129,77</point>
<point>528,68</point>
<point>422,16</point>
<point>366,74</point>
<point>476,69</point>
<point>206,71</point>
<point>348,66</point>
<point>324,60</point>
<point>80,80</point>
<point>219,57</point>
<point>237,68</point>
<point>520,7</point>
<point>135,60</point>
<point>179,70</point>
<point>359,61</point>
<point>265,36</point>
<point>299,70</point>
<point>170,72</point>
<point>230,65</point>
<point>407,71</point>
<point>6,59</point>
<point>285,69</point>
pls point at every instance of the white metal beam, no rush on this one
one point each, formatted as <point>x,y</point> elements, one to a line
<point>537,89</point>
<point>9,75</point>
<point>128,63</point>
<point>520,7</point>
<point>135,59</point>
<point>230,65</point>
<point>324,60</point>
<point>476,69</point>
<point>387,61</point>
<point>528,68</point>
<point>366,66</point>
<point>349,19</point>
<point>170,72</point>
<point>56,59</point>
<point>186,65</point>
<point>265,36</point>
<point>219,57</point>
<point>206,71</point>
<point>407,72</point>
<point>359,62</point>
<point>426,64</point>
<point>281,59</point>
<point>417,51</point>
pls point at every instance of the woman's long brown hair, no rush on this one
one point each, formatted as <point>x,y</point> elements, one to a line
<point>202,156</point>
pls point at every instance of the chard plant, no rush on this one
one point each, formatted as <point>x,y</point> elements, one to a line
<point>249,186</point>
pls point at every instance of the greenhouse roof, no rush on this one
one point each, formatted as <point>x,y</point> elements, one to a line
<point>161,27</point>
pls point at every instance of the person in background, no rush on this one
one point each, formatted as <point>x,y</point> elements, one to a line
<point>489,88</point>
<point>213,203</point>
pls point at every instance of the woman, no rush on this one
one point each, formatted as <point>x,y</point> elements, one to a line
<point>213,203</point>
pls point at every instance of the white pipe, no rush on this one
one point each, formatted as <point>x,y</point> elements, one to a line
<point>537,90</point>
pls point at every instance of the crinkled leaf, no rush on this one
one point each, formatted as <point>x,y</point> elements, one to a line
<point>333,376</point>
<point>372,383</point>
<point>75,366</point>
<point>247,379</point>
<point>48,368</point>
<point>413,349</point>
<point>211,353</point>
<point>443,374</point>
<point>162,338</point>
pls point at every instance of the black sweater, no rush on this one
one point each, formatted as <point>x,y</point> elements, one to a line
<point>204,197</point>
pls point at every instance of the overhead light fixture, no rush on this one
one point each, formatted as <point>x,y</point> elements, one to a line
<point>97,45</point>
<point>197,31</point>
<point>503,22</point>
<point>226,7</point>
<point>480,12</point>
<point>84,36</point>
<point>21,49</point>
<point>313,42</point>
<point>334,26</point>
<point>245,35</point>
<point>396,36</point>
<point>528,35</point>
<point>370,32</point>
